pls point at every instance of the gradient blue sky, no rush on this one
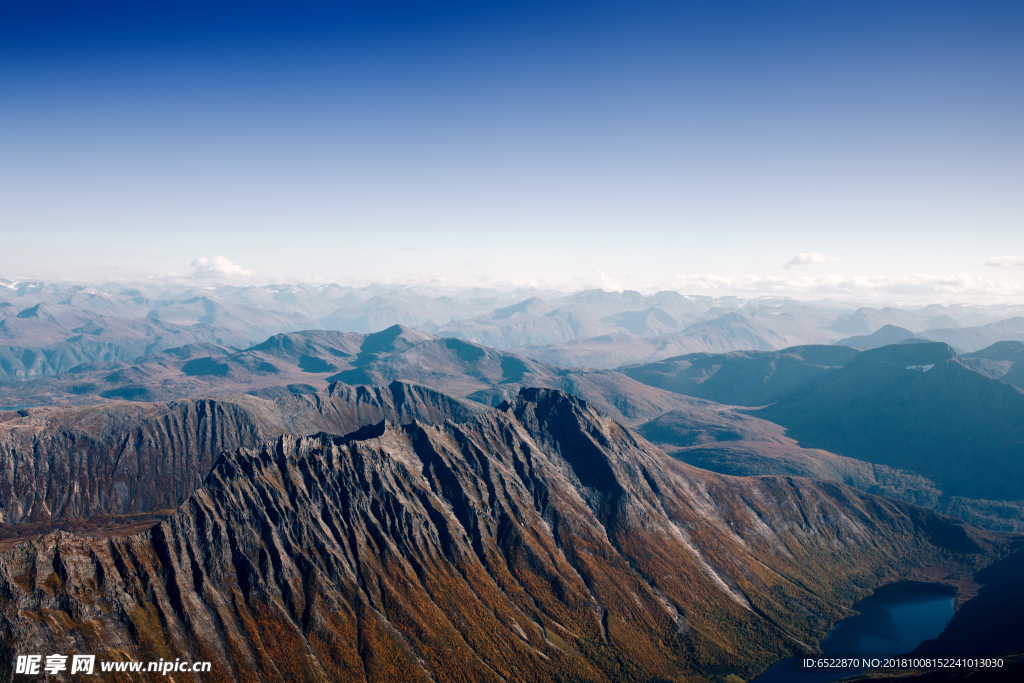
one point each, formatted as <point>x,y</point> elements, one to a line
<point>641,144</point>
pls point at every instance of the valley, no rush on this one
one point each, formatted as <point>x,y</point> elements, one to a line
<point>324,504</point>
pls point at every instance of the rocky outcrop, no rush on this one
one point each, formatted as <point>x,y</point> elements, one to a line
<point>130,459</point>
<point>540,541</point>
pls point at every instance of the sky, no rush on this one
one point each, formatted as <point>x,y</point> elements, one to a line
<point>804,149</point>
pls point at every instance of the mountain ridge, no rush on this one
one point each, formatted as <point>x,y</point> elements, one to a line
<point>539,540</point>
<point>124,464</point>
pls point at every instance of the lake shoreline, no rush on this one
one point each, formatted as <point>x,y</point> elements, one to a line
<point>895,619</point>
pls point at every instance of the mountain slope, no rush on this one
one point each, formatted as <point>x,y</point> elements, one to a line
<point>884,336</point>
<point>131,463</point>
<point>724,443</point>
<point>744,378</point>
<point>45,340</point>
<point>1000,361</point>
<point>916,407</point>
<point>538,542</point>
<point>490,376</point>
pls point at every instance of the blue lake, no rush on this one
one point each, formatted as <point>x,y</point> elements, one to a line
<point>895,619</point>
<point>18,407</point>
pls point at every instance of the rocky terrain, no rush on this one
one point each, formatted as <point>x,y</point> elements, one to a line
<point>105,469</point>
<point>537,541</point>
<point>666,397</point>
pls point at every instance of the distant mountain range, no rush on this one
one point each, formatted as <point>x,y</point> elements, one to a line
<point>1000,361</point>
<point>304,362</point>
<point>46,328</point>
<point>743,378</point>
<point>969,338</point>
<point>677,403</point>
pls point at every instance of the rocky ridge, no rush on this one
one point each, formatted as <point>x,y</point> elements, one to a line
<point>539,541</point>
<point>120,464</point>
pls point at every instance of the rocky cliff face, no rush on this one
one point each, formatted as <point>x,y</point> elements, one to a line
<point>539,541</point>
<point>130,459</point>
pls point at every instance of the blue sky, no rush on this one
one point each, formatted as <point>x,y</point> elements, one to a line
<point>637,144</point>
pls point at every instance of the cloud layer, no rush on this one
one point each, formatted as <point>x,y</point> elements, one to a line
<point>916,287</point>
<point>803,259</point>
<point>1005,262</point>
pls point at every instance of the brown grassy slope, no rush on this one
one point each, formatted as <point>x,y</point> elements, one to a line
<point>540,542</point>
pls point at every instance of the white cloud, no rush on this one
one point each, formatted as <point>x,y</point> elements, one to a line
<point>1005,262</point>
<point>218,266</point>
<point>609,283</point>
<point>916,287</point>
<point>803,259</point>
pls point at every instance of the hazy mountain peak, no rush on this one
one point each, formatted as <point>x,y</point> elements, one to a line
<point>922,353</point>
<point>533,305</point>
<point>1004,350</point>
<point>884,336</point>
<point>394,338</point>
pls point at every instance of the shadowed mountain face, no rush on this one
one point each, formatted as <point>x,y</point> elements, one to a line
<point>727,442</point>
<point>916,407</point>
<point>1000,361</point>
<point>541,541</point>
<point>743,378</point>
<point>825,386</point>
<point>124,464</point>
